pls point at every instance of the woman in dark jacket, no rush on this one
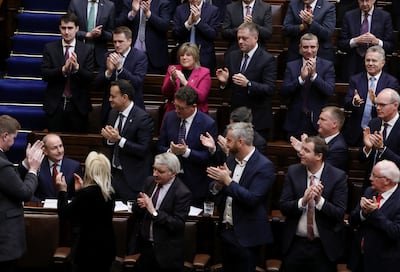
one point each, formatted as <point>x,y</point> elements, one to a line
<point>91,213</point>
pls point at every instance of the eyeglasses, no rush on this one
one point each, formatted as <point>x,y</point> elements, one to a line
<point>382,105</point>
<point>181,108</point>
<point>376,176</point>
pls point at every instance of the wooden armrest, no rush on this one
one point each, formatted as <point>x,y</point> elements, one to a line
<point>131,260</point>
<point>188,265</point>
<point>259,269</point>
<point>216,267</point>
<point>61,255</point>
<point>273,265</point>
<point>201,260</point>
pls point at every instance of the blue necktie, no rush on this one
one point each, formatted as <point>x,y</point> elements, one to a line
<point>182,131</point>
<point>368,104</point>
<point>244,65</point>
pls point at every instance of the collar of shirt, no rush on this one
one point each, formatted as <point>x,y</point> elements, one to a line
<point>369,13</point>
<point>392,121</point>
<point>329,138</point>
<point>251,53</point>
<point>244,5</point>
<point>377,76</point>
<point>125,55</point>
<point>245,159</point>
<point>128,109</point>
<point>51,163</point>
<point>312,5</point>
<point>71,45</point>
<point>317,175</point>
<point>189,120</point>
<point>387,194</point>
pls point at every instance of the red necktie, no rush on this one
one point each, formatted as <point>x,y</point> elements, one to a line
<point>309,9</point>
<point>55,173</point>
<point>310,213</point>
<point>154,198</point>
<point>67,87</point>
<point>378,200</point>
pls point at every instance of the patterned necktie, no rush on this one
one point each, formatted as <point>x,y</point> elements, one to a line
<point>309,9</point>
<point>368,104</point>
<point>67,86</point>
<point>310,213</point>
<point>193,35</point>
<point>244,65</point>
<point>361,49</point>
<point>91,22</point>
<point>182,131</point>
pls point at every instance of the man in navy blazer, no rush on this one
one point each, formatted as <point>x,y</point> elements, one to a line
<point>240,189</point>
<point>319,19</point>
<point>126,63</point>
<point>330,122</point>
<point>358,94</point>
<point>313,242</point>
<point>251,78</point>
<point>101,34</point>
<point>54,151</point>
<point>66,100</point>
<point>376,245</point>
<point>129,131</point>
<point>203,18</point>
<point>380,32</point>
<point>308,83</point>
<point>236,14</point>
<point>162,245</point>
<point>194,157</point>
<point>376,146</point>
<point>156,14</point>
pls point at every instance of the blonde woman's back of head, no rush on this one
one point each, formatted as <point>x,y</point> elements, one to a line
<point>98,171</point>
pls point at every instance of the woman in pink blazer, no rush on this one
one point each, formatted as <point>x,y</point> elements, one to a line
<point>188,72</point>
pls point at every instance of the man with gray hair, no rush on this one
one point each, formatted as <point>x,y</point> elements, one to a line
<point>363,89</point>
<point>381,136</point>
<point>240,189</point>
<point>162,210</point>
<point>376,218</point>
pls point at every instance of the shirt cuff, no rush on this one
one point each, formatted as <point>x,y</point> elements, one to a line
<point>301,81</point>
<point>187,153</point>
<point>121,142</point>
<point>299,204</point>
<point>320,204</point>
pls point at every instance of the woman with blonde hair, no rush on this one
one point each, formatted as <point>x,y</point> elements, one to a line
<point>91,213</point>
<point>187,73</point>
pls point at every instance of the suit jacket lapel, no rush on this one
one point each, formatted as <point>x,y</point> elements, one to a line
<point>129,119</point>
<point>395,128</point>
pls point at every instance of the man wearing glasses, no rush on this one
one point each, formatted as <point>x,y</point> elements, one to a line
<point>377,244</point>
<point>180,134</point>
<point>381,136</point>
<point>363,88</point>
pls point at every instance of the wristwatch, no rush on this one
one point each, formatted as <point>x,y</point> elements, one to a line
<point>249,84</point>
<point>155,214</point>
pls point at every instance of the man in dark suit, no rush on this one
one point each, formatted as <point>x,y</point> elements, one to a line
<point>125,62</point>
<point>149,21</point>
<point>247,11</point>
<point>363,88</point>
<point>54,151</point>
<point>251,73</point>
<point>14,190</point>
<point>67,67</point>
<point>129,132</point>
<point>240,188</point>
<point>308,83</point>
<point>330,122</point>
<point>96,22</point>
<point>381,136</point>
<point>197,22</point>
<point>180,134</point>
<point>313,199</point>
<point>164,204</point>
<point>376,219</point>
<point>356,35</point>
<point>310,16</point>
